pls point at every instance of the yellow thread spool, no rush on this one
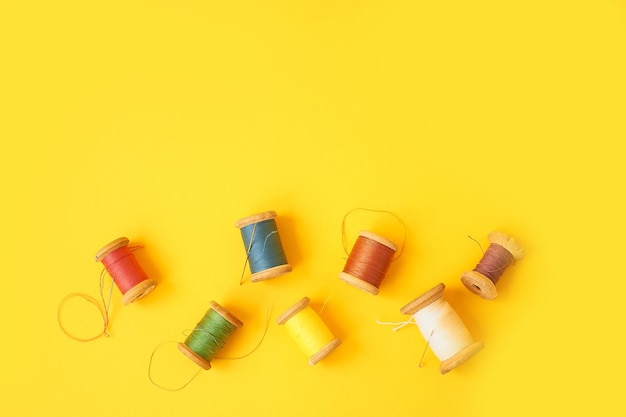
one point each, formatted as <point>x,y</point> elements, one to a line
<point>308,330</point>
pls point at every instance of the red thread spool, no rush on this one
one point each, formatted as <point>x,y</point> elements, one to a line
<point>121,264</point>
<point>368,262</point>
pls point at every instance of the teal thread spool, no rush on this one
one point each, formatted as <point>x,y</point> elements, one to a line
<point>210,335</point>
<point>264,249</point>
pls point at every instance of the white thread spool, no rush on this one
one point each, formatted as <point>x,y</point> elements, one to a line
<point>442,328</point>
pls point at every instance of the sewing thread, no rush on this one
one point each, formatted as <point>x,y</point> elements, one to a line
<point>502,252</point>
<point>368,262</point>
<point>264,249</point>
<point>308,330</point>
<point>442,328</point>
<point>210,335</point>
<point>120,262</point>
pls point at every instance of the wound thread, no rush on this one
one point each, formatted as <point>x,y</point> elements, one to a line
<point>308,331</point>
<point>442,328</point>
<point>264,249</point>
<point>368,262</point>
<point>120,263</point>
<point>210,335</point>
<point>502,252</point>
<point>494,262</point>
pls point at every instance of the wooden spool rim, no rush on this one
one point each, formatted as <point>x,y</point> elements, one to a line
<point>201,362</point>
<point>379,239</point>
<point>139,291</point>
<point>459,358</point>
<point>508,243</point>
<point>110,247</point>
<point>293,310</point>
<point>324,351</point>
<point>255,218</point>
<point>271,273</point>
<point>225,314</point>
<point>424,300</point>
<point>358,283</point>
<point>479,284</point>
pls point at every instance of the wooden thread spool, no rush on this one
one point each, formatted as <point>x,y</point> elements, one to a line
<point>264,249</point>
<point>121,264</point>
<point>368,262</point>
<point>308,330</point>
<point>442,328</point>
<point>502,252</point>
<point>210,335</point>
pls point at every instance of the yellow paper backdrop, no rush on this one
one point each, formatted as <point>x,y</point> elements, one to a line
<point>166,121</point>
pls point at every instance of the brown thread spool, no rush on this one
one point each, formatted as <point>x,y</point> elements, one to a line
<point>368,262</point>
<point>502,252</point>
<point>123,267</point>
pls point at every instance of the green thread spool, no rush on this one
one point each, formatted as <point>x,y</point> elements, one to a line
<point>264,249</point>
<point>209,336</point>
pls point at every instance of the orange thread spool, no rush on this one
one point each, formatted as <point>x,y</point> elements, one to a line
<point>120,262</point>
<point>368,262</point>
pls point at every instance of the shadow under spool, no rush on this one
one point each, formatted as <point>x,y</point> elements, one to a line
<point>502,252</point>
<point>368,262</point>
<point>325,342</point>
<point>264,249</point>
<point>431,296</point>
<point>197,357</point>
<point>122,266</point>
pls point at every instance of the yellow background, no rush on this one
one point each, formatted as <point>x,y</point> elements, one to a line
<point>167,121</point>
